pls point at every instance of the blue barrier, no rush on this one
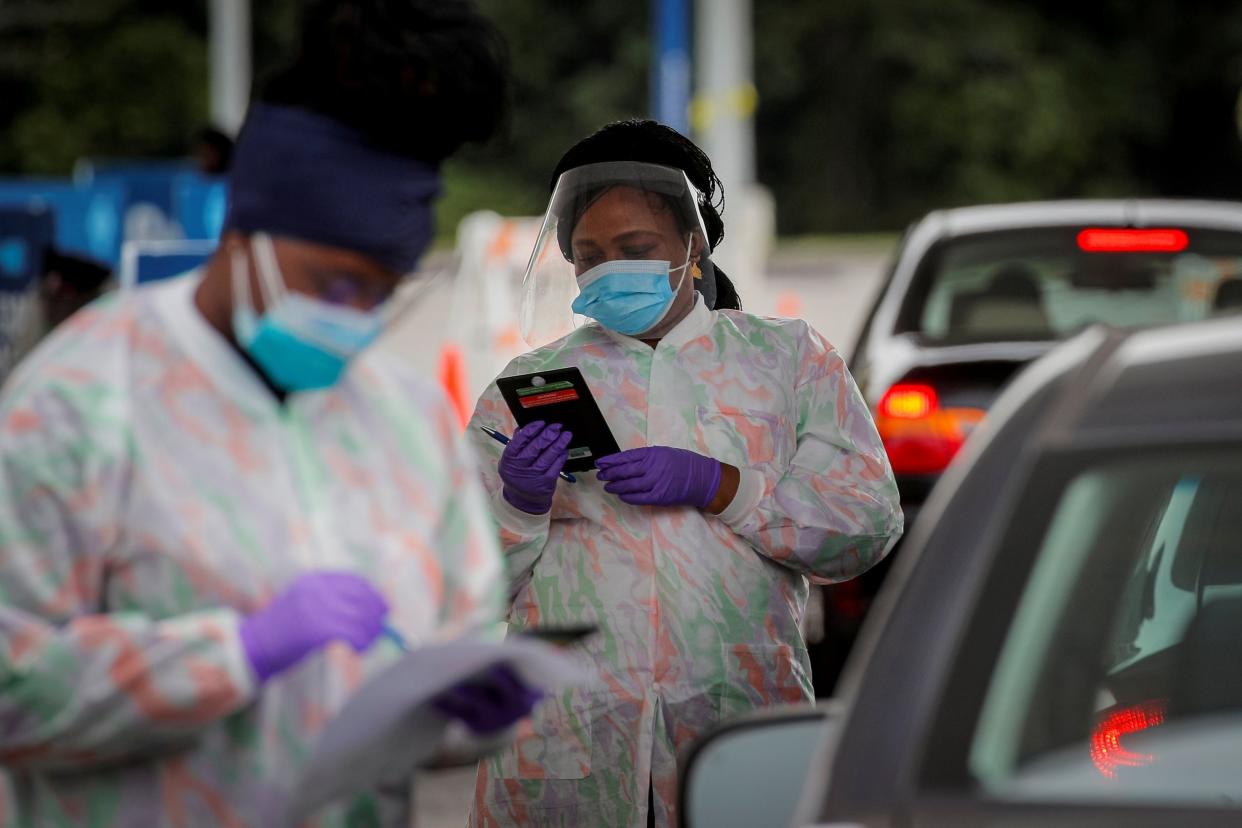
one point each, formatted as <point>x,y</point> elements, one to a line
<point>111,202</point>
<point>88,219</point>
<point>25,235</point>
<point>150,210</point>
<point>149,182</point>
<point>151,261</point>
<point>200,204</point>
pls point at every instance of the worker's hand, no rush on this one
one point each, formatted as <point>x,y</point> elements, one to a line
<point>530,463</point>
<point>490,701</point>
<point>660,476</point>
<point>317,608</point>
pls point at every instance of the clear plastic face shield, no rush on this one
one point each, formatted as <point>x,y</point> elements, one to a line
<point>616,245</point>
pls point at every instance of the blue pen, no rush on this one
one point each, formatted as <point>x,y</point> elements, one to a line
<point>504,441</point>
<point>390,632</point>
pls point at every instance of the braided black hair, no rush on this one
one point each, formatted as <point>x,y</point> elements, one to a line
<point>654,143</point>
<point>421,77</point>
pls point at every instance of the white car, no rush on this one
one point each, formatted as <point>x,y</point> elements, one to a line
<point>977,293</point>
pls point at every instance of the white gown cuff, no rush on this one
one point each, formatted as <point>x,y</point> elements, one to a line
<point>224,626</point>
<point>750,489</point>
<point>515,520</point>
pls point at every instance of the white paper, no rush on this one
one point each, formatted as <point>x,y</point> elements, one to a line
<point>389,728</point>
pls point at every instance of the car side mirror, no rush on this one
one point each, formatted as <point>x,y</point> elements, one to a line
<point>751,770</point>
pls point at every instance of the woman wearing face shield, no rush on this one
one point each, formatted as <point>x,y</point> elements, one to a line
<point>750,469</point>
<point>214,495</point>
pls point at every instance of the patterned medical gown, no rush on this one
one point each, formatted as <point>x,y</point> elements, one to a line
<point>698,614</point>
<point>152,492</point>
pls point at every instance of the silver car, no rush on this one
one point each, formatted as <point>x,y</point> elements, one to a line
<point>1061,640</point>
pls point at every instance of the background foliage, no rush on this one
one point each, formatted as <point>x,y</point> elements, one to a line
<point>870,112</point>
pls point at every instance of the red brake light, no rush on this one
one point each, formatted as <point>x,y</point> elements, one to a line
<point>1126,240</point>
<point>919,435</point>
<point>909,402</point>
<point>1106,750</point>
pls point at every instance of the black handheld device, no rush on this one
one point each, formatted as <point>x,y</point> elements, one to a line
<point>560,635</point>
<point>562,396</point>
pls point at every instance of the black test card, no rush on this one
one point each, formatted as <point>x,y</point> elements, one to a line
<point>562,396</point>
<point>560,635</point>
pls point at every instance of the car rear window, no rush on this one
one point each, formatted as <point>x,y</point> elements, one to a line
<point>1048,283</point>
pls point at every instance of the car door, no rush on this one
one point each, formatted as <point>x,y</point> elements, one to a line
<point>1103,684</point>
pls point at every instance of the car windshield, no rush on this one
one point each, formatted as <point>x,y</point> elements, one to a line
<point>1047,283</point>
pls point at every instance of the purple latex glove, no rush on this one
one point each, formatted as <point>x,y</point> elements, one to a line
<point>660,476</point>
<point>530,463</point>
<point>490,701</point>
<point>317,608</point>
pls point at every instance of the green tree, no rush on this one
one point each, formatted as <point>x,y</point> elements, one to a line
<point>148,102</point>
<point>577,64</point>
<point>871,113</point>
<point>112,78</point>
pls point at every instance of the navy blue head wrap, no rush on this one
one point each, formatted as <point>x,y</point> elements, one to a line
<point>300,174</point>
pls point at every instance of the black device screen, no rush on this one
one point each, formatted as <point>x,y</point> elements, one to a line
<point>562,396</point>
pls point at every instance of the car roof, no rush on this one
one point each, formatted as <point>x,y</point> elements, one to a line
<point>960,221</point>
<point>1163,383</point>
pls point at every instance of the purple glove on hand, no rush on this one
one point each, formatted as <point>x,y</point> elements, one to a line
<point>530,463</point>
<point>491,701</point>
<point>661,476</point>
<point>317,608</point>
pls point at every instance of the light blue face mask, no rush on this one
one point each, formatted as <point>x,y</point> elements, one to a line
<point>630,296</point>
<point>299,342</point>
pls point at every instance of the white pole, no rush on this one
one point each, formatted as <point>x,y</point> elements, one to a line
<point>229,56</point>
<point>723,116</point>
<point>725,104</point>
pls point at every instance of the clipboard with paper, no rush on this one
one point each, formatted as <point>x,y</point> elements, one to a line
<point>390,728</point>
<point>561,395</point>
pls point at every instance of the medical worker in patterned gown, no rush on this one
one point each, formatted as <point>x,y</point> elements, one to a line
<point>209,506</point>
<point>750,468</point>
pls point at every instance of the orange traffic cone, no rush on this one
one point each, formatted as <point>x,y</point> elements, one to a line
<point>789,305</point>
<point>453,380</point>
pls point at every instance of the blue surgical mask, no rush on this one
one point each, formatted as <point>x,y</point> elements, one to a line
<point>628,296</point>
<point>299,342</point>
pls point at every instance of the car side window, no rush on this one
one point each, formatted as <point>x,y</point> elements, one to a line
<point>1155,607</point>
<point>1120,677</point>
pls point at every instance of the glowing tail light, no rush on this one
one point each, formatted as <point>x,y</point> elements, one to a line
<point>1126,240</point>
<point>1107,752</point>
<point>909,402</point>
<point>921,436</point>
